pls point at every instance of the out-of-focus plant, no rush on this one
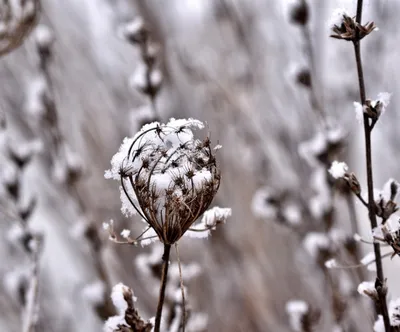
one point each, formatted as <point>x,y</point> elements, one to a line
<point>322,237</point>
<point>17,19</point>
<point>21,283</point>
<point>65,166</point>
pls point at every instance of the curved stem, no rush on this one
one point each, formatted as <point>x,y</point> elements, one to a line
<point>163,285</point>
<point>368,152</point>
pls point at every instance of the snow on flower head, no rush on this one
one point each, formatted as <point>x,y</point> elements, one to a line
<point>296,307</point>
<point>373,108</point>
<point>216,215</point>
<point>323,143</point>
<point>143,81</point>
<point>44,36</point>
<point>296,310</point>
<point>264,203</point>
<point>126,233</point>
<point>338,169</point>
<point>132,30</point>
<point>314,242</point>
<point>330,263</point>
<point>127,318</point>
<point>120,296</point>
<point>167,176</point>
<point>211,218</point>
<point>383,99</point>
<point>367,288</point>
<point>394,311</point>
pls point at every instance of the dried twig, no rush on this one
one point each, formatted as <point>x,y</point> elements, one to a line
<point>370,183</point>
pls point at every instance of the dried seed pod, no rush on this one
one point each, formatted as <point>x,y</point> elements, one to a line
<point>167,176</point>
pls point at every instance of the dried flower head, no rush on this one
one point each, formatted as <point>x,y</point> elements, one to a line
<point>128,318</point>
<point>385,204</point>
<point>367,288</point>
<point>44,38</point>
<point>346,27</point>
<point>134,31</point>
<point>389,233</point>
<point>167,176</point>
<point>301,316</point>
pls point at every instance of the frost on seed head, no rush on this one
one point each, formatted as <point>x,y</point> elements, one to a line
<point>167,176</point>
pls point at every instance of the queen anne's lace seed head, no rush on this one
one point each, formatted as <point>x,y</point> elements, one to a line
<point>167,176</point>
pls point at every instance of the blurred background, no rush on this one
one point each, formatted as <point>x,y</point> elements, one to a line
<point>263,80</point>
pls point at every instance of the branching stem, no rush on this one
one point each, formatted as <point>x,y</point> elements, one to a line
<point>370,183</point>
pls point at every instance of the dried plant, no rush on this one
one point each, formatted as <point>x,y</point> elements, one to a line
<point>14,159</point>
<point>313,218</point>
<point>169,178</point>
<point>17,19</point>
<point>382,204</point>
<point>65,166</point>
<point>147,78</point>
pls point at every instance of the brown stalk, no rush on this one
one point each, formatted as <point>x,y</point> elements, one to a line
<point>370,183</point>
<point>163,285</point>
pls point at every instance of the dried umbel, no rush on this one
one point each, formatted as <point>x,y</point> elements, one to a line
<point>167,176</point>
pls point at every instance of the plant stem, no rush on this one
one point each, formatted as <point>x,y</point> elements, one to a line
<point>370,183</point>
<point>163,285</point>
<point>309,49</point>
<point>354,230</point>
<point>182,288</point>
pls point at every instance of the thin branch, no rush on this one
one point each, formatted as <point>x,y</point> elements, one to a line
<point>362,200</point>
<point>368,152</point>
<point>163,285</point>
<point>182,289</point>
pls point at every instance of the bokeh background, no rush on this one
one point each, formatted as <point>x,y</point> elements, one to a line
<point>227,63</point>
